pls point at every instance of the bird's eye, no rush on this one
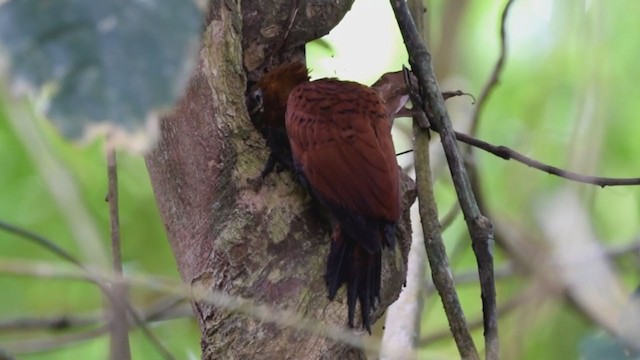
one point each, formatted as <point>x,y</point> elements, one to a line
<point>257,97</point>
<point>254,101</point>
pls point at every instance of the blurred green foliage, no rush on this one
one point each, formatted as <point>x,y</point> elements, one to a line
<point>566,98</point>
<point>26,202</point>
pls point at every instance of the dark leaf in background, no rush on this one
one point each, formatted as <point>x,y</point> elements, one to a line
<point>600,346</point>
<point>106,60</point>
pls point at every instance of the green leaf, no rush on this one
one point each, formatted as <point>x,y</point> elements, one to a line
<point>106,60</point>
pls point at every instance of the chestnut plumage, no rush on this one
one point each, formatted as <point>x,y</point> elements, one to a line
<point>267,103</point>
<point>339,135</point>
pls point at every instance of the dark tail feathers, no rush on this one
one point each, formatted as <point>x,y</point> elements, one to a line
<point>350,263</point>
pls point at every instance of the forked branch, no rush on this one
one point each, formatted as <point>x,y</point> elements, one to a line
<point>480,227</point>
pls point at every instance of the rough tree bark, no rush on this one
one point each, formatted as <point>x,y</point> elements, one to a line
<point>270,245</point>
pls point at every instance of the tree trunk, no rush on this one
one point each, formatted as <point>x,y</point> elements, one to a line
<point>270,245</point>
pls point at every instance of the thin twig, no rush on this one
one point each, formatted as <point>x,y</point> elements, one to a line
<point>474,324</point>
<point>470,277</point>
<point>474,176</point>
<point>86,274</point>
<point>480,227</point>
<point>509,154</point>
<point>40,241</point>
<point>450,217</point>
<point>164,309</point>
<point>161,310</point>
<point>56,342</point>
<point>55,323</point>
<point>118,325</point>
<point>495,74</point>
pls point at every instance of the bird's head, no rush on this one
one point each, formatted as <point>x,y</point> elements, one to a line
<point>267,99</point>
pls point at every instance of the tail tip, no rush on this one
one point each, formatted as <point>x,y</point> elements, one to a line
<point>366,320</point>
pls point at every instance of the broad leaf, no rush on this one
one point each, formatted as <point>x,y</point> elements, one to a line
<point>105,60</point>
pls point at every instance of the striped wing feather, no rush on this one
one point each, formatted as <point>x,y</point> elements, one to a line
<point>341,139</point>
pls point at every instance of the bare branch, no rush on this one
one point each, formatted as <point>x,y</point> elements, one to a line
<point>509,154</point>
<point>480,227</point>
<point>436,252</point>
<point>118,325</point>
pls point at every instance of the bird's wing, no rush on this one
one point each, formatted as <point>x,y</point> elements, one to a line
<point>340,137</point>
